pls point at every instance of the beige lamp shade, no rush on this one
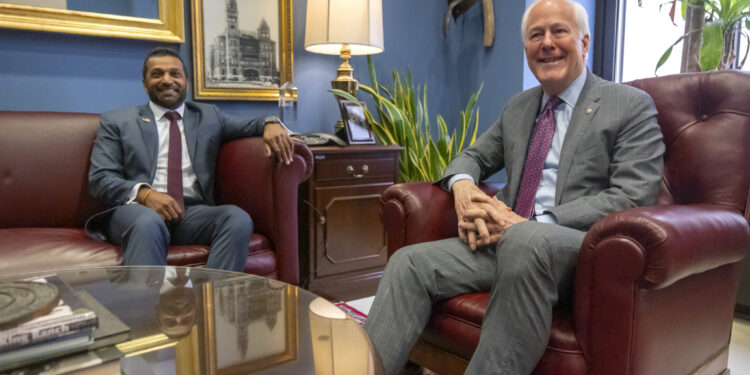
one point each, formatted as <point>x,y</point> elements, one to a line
<point>333,23</point>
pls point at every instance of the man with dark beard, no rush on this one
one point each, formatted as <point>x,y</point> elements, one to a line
<point>154,165</point>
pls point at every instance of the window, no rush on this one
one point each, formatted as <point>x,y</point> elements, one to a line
<point>646,33</point>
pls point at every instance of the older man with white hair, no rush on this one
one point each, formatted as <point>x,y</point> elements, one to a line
<point>575,149</point>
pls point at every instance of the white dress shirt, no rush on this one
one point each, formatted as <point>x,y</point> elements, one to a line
<point>189,179</point>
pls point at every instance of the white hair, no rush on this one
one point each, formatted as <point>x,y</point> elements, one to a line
<point>579,12</point>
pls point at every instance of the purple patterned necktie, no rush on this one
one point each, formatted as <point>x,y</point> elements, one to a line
<point>541,140</point>
<point>174,163</point>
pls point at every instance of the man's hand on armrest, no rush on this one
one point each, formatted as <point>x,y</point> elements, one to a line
<point>278,142</point>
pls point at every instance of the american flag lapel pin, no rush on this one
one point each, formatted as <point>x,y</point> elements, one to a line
<point>146,119</point>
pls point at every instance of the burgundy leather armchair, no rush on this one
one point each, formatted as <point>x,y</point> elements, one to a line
<point>655,287</point>
<point>44,198</point>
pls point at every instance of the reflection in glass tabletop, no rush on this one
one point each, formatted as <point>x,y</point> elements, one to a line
<point>202,321</point>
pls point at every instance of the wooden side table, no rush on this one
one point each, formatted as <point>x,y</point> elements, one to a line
<point>342,239</point>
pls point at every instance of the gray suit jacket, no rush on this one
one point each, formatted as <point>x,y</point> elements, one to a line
<point>126,148</point>
<point>611,157</point>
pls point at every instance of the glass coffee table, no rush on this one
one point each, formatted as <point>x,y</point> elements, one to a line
<point>203,321</point>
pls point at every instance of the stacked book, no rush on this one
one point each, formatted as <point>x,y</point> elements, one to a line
<point>62,330</point>
<point>69,328</point>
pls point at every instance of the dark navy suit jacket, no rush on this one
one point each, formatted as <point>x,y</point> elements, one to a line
<point>127,145</point>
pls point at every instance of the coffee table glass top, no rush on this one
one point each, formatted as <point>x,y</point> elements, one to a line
<point>204,321</point>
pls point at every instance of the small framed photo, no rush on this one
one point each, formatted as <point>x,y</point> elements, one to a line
<point>357,129</point>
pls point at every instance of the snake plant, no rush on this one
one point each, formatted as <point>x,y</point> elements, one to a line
<point>402,119</point>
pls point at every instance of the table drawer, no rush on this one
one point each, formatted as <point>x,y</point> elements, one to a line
<point>329,169</point>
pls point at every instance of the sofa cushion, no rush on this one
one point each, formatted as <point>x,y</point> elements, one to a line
<point>261,259</point>
<point>40,249</point>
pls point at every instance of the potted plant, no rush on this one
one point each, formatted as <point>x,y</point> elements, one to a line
<point>403,120</point>
<point>711,31</point>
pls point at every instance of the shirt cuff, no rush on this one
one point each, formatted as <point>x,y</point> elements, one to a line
<point>134,192</point>
<point>546,218</point>
<point>275,120</point>
<point>460,176</point>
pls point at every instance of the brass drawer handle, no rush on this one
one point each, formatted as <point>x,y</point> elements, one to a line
<point>350,171</point>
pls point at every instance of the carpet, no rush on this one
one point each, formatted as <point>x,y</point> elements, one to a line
<point>360,318</point>
<point>352,312</point>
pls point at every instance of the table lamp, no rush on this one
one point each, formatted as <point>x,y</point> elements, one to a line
<point>345,28</point>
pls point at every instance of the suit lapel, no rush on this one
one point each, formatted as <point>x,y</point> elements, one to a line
<point>147,123</point>
<point>527,115</point>
<point>580,121</point>
<point>190,122</point>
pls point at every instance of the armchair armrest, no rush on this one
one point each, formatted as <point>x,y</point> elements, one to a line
<point>267,190</point>
<point>647,271</point>
<point>674,241</point>
<point>417,212</point>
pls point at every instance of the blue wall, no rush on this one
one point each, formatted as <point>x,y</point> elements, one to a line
<point>61,72</point>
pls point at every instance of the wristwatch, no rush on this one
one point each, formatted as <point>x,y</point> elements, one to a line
<point>271,119</point>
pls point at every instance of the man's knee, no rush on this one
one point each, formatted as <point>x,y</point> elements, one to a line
<point>527,241</point>
<point>412,263</point>
<point>237,220</point>
<point>406,256</point>
<point>138,220</point>
<point>539,245</point>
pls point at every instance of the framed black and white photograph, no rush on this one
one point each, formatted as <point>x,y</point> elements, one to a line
<point>248,324</point>
<point>242,49</point>
<point>357,129</point>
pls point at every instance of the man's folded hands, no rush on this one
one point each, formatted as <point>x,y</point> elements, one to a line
<point>486,221</point>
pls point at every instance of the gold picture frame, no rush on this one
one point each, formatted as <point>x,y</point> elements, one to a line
<point>230,63</point>
<point>252,316</point>
<point>169,27</point>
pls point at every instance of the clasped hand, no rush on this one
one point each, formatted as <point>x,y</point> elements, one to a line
<point>482,219</point>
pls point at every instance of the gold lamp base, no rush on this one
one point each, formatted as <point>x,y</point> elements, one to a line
<point>344,80</point>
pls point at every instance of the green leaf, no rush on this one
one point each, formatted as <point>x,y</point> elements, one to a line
<point>403,119</point>
<point>476,127</point>
<point>663,59</point>
<point>713,42</point>
<point>712,6</point>
<point>683,9</point>
<point>666,53</point>
<point>737,10</point>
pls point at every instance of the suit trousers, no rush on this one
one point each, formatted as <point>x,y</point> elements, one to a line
<point>145,237</point>
<point>526,272</point>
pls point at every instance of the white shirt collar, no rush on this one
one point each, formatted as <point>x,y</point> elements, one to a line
<point>570,95</point>
<point>159,111</point>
